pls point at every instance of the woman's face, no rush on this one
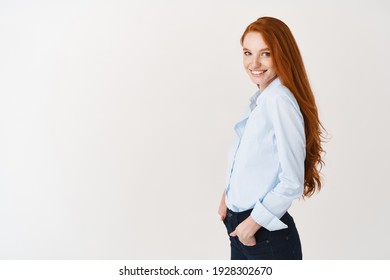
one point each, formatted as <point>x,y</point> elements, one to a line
<point>258,60</point>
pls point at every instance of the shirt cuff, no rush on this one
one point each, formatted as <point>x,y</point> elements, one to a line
<point>266,219</point>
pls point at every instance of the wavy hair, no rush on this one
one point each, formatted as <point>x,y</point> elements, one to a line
<point>289,67</point>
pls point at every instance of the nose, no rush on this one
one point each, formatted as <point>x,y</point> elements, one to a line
<point>255,63</point>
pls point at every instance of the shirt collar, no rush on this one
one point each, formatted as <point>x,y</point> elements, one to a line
<point>256,97</point>
<point>253,99</point>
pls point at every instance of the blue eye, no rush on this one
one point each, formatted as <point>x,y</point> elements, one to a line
<point>266,54</point>
<point>246,53</point>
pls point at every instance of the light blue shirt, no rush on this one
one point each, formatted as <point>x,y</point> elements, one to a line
<point>266,160</point>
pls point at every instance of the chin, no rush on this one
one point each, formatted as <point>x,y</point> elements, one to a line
<point>258,81</point>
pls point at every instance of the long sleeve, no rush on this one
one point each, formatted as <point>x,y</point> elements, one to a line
<point>289,142</point>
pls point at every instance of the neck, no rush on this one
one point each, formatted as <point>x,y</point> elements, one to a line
<point>262,87</point>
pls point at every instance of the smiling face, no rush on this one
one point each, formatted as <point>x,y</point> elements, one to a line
<point>257,60</point>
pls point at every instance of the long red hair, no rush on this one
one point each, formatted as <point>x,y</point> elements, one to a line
<point>288,63</point>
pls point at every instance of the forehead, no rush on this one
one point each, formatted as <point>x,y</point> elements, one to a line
<point>254,41</point>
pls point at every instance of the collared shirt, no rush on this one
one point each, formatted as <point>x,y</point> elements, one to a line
<point>266,160</point>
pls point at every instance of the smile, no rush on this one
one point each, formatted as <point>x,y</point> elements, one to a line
<point>258,72</point>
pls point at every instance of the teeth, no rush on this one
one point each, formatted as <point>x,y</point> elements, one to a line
<point>258,72</point>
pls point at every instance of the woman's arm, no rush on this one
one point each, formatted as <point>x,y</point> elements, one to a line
<point>222,207</point>
<point>290,146</point>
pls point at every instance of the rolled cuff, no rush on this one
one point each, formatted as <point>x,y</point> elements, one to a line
<point>266,219</point>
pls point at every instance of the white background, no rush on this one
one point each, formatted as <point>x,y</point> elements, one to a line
<point>116,117</point>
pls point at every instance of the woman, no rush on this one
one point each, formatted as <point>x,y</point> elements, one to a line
<point>277,151</point>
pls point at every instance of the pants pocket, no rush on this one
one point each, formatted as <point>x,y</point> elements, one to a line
<point>262,243</point>
<point>294,244</point>
<point>285,244</point>
<point>227,224</point>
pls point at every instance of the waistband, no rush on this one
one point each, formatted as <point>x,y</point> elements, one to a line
<point>244,214</point>
<point>231,213</point>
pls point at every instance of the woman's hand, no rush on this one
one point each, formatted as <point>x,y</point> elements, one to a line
<point>246,230</point>
<point>222,208</point>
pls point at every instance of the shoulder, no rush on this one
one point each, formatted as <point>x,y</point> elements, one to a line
<point>280,101</point>
<point>280,94</point>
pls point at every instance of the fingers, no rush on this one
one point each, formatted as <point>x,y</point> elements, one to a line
<point>222,214</point>
<point>249,242</point>
<point>222,210</point>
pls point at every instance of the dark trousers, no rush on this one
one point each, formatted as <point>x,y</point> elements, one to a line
<point>281,244</point>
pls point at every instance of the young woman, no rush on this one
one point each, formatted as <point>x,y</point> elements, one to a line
<point>276,155</point>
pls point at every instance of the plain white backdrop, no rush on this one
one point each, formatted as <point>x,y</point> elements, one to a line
<point>116,117</point>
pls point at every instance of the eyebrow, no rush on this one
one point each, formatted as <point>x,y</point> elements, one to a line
<point>265,49</point>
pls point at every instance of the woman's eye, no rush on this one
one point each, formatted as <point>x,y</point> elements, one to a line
<point>247,53</point>
<point>266,54</point>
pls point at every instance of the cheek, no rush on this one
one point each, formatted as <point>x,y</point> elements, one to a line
<point>269,64</point>
<point>271,70</point>
<point>245,63</point>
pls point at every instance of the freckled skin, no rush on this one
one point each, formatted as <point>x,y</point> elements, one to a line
<point>257,56</point>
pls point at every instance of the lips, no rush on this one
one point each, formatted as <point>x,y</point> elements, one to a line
<point>258,72</point>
